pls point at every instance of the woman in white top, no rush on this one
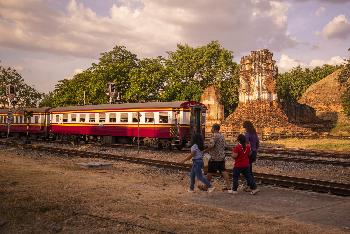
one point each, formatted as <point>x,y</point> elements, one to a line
<point>197,163</point>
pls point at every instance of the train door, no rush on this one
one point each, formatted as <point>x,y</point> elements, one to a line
<point>196,120</point>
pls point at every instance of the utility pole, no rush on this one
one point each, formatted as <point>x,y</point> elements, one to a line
<point>111,92</point>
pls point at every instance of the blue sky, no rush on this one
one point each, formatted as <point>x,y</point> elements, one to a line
<point>49,40</point>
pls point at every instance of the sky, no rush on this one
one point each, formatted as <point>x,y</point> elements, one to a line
<point>50,40</point>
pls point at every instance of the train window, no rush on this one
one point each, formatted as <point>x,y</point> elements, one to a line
<point>135,117</point>
<point>21,119</point>
<point>112,118</point>
<point>92,118</point>
<point>149,117</point>
<point>124,117</point>
<point>73,117</point>
<point>82,118</point>
<point>163,117</point>
<point>102,117</point>
<point>1,119</point>
<point>65,118</point>
<point>57,118</point>
<point>36,119</point>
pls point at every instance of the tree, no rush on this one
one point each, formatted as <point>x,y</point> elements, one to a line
<point>292,84</point>
<point>147,80</point>
<point>26,95</point>
<point>344,80</point>
<point>191,70</point>
<point>113,66</point>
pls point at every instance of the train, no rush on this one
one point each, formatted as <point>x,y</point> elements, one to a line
<point>154,124</point>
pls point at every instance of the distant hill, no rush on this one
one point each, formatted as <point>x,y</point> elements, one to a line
<point>325,97</point>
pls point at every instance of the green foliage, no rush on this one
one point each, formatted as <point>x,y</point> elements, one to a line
<point>26,95</point>
<point>182,76</point>
<point>191,70</point>
<point>113,66</point>
<point>292,84</point>
<point>344,79</point>
<point>147,80</point>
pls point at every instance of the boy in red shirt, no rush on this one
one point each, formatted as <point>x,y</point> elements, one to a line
<point>241,155</point>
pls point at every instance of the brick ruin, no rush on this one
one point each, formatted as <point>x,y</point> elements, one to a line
<point>215,111</point>
<point>258,101</point>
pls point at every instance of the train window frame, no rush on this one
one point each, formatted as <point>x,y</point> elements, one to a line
<point>134,117</point>
<point>102,118</point>
<point>148,119</point>
<point>122,117</point>
<point>110,117</point>
<point>36,119</point>
<point>92,118</point>
<point>82,116</point>
<point>65,118</point>
<point>73,117</point>
<point>167,117</point>
<point>57,118</point>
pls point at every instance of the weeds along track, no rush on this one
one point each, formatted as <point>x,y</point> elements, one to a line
<point>320,186</point>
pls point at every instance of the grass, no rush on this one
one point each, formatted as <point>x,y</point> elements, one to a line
<point>317,144</point>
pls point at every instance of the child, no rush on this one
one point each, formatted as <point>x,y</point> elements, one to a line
<point>197,163</point>
<point>241,155</point>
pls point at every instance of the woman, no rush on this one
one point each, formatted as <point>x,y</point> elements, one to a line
<point>252,139</point>
<point>197,163</point>
<point>241,166</point>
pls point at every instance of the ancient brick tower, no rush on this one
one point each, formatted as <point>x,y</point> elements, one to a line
<point>215,110</point>
<point>258,100</point>
<point>257,77</point>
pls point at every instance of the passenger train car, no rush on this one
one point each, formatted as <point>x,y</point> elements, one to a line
<point>160,124</point>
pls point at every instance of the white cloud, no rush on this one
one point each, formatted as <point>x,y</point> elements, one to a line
<point>336,60</point>
<point>338,27</point>
<point>286,63</point>
<point>76,71</point>
<point>320,11</point>
<point>148,27</point>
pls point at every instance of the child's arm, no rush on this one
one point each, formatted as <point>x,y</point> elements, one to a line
<point>234,155</point>
<point>188,157</point>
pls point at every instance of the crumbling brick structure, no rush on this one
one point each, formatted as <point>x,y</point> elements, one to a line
<point>258,100</point>
<point>215,110</point>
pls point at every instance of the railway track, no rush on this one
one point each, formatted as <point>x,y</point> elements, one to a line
<point>272,154</point>
<point>320,186</point>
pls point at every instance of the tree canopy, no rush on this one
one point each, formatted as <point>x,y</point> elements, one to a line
<point>292,84</point>
<point>26,95</point>
<point>344,80</point>
<point>183,75</point>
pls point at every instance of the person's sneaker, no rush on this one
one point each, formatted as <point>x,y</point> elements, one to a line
<point>190,190</point>
<point>232,192</point>
<point>211,189</point>
<point>247,189</point>
<point>254,191</point>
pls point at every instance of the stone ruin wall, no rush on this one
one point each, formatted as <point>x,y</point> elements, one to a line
<point>257,77</point>
<point>258,101</point>
<point>215,111</point>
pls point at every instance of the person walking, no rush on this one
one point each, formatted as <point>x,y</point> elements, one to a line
<point>197,163</point>
<point>241,165</point>
<point>252,139</point>
<point>216,150</point>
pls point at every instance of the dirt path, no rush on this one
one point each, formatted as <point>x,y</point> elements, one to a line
<point>50,194</point>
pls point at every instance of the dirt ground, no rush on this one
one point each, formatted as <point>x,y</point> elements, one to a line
<point>43,194</point>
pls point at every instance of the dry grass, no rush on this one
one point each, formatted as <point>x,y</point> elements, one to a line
<point>42,195</point>
<point>317,144</point>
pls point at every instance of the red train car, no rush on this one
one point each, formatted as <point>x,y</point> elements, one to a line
<point>154,123</point>
<point>37,124</point>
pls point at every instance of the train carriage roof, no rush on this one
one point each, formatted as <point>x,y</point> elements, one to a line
<point>21,110</point>
<point>146,105</point>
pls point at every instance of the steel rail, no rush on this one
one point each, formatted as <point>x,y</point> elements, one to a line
<point>320,186</point>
